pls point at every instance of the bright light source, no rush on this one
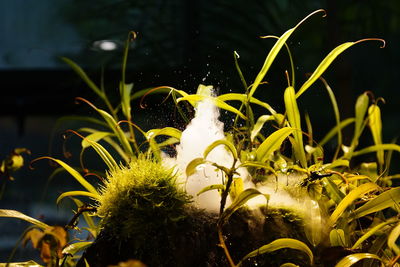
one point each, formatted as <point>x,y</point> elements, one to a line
<point>105,45</point>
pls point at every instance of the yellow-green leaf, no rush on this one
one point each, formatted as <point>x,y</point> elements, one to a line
<point>74,248</point>
<point>211,187</point>
<point>280,244</point>
<point>371,232</point>
<point>349,199</point>
<point>375,125</point>
<point>353,258</point>
<point>125,92</point>
<point>393,236</point>
<point>224,142</point>
<point>74,174</point>
<point>272,143</point>
<point>332,189</point>
<point>94,137</point>
<point>377,148</point>
<point>76,193</point>
<point>259,124</point>
<point>385,200</point>
<point>191,168</point>
<point>335,130</point>
<point>293,115</point>
<point>19,215</point>
<point>274,52</point>
<point>337,238</point>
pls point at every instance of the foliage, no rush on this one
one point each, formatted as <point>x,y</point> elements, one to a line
<point>134,197</point>
<point>357,202</point>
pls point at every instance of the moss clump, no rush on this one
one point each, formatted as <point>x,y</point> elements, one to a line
<point>138,199</point>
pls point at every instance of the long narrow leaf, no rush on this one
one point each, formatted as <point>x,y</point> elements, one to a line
<point>74,174</point>
<point>76,193</point>
<point>392,239</point>
<point>349,199</point>
<point>377,148</point>
<point>274,52</point>
<point>272,143</point>
<point>385,200</point>
<point>259,124</point>
<point>224,142</point>
<point>375,125</point>
<point>353,258</point>
<point>371,232</point>
<point>280,244</point>
<point>19,215</point>
<point>335,130</point>
<point>293,115</point>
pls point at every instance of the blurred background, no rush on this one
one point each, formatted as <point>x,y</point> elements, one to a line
<point>179,44</point>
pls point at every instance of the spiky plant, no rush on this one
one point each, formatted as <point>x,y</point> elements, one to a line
<point>140,198</point>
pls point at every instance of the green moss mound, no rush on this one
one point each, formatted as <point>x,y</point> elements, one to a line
<point>140,198</point>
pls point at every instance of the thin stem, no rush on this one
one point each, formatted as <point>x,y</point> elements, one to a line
<point>224,247</point>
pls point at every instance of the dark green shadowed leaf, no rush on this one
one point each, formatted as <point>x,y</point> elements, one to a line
<point>211,187</point>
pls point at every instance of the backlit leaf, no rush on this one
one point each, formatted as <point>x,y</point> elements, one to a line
<point>349,199</point>
<point>385,200</point>
<point>224,142</point>
<point>192,167</point>
<point>272,143</point>
<point>19,215</point>
<point>281,244</point>
<point>259,124</point>
<point>211,187</point>
<point>94,137</point>
<point>353,258</point>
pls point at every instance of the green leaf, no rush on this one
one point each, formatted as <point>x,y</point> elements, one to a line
<point>375,125</point>
<point>353,258</point>
<point>289,264</point>
<point>74,248</point>
<point>280,244</point>
<point>83,76</point>
<point>349,199</point>
<point>125,92</point>
<point>77,193</point>
<point>240,200</point>
<point>393,236</point>
<point>371,232</point>
<point>19,215</point>
<point>259,124</point>
<point>336,163</point>
<point>274,52</point>
<point>385,200</point>
<point>211,187</point>
<point>169,131</point>
<point>217,102</point>
<point>332,189</point>
<point>74,174</point>
<point>244,99</point>
<point>335,130</point>
<point>272,143</point>
<point>103,153</point>
<point>94,137</point>
<point>30,263</point>
<point>337,238</point>
<point>224,142</point>
<point>191,168</point>
<point>377,148</point>
<point>293,115</point>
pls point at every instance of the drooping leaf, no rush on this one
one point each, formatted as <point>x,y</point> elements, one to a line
<point>349,199</point>
<point>240,200</point>
<point>280,244</point>
<point>376,148</point>
<point>371,232</point>
<point>211,187</point>
<point>217,102</point>
<point>74,174</point>
<point>94,137</point>
<point>385,200</point>
<point>76,193</point>
<point>259,124</point>
<point>74,248</point>
<point>19,215</point>
<point>103,153</point>
<point>349,260</point>
<point>272,143</point>
<point>224,142</point>
<point>244,99</point>
<point>325,63</point>
<point>293,115</point>
<point>192,167</point>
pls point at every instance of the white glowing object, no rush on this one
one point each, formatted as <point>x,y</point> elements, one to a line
<point>105,45</point>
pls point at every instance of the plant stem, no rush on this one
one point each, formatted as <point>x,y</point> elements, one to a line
<point>223,245</point>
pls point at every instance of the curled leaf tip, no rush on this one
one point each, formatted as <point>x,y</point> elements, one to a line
<point>132,35</point>
<point>373,39</point>
<point>312,14</point>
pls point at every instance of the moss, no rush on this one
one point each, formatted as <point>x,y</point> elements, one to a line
<point>138,199</point>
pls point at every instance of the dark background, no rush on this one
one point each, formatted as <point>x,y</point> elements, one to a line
<point>180,44</point>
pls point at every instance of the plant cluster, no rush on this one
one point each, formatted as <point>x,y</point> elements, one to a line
<point>358,202</point>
